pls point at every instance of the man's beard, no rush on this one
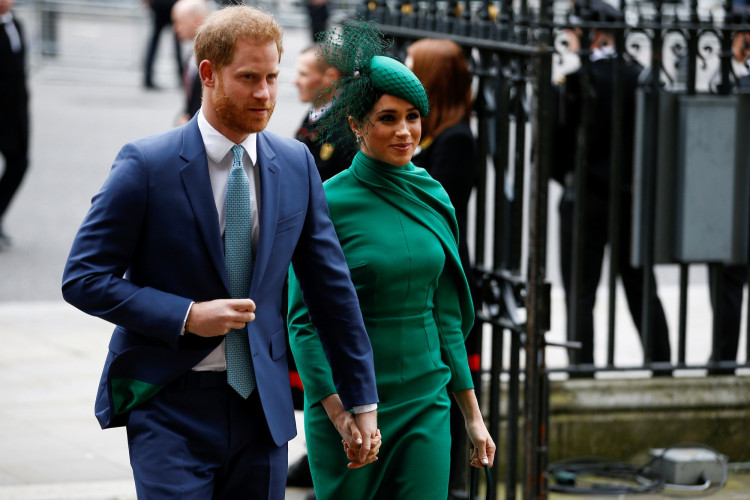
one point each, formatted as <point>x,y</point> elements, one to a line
<point>236,116</point>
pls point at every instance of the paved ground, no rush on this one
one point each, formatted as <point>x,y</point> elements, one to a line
<point>86,103</point>
<point>51,446</point>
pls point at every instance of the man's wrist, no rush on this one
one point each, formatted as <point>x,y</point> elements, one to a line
<point>364,408</point>
<point>186,323</point>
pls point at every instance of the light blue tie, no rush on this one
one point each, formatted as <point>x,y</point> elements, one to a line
<point>238,252</point>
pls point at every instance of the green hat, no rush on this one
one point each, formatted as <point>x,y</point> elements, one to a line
<point>392,77</point>
<point>359,50</point>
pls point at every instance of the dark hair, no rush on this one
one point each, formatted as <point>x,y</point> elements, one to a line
<point>441,67</point>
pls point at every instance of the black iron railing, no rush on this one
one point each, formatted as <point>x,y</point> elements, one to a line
<point>516,50</point>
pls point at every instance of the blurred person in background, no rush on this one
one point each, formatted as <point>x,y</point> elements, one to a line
<point>187,17</point>
<point>314,80</point>
<point>740,60</point>
<point>598,165</point>
<point>447,149</point>
<point>14,110</point>
<point>161,17</point>
<point>729,280</point>
<point>318,13</point>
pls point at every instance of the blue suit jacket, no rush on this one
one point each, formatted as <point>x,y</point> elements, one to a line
<point>151,244</point>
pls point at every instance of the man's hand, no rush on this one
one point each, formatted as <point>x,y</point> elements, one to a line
<point>360,435</point>
<point>218,317</point>
<point>368,428</point>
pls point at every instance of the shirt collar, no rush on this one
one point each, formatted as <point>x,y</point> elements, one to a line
<point>604,52</point>
<point>740,68</point>
<point>6,18</point>
<point>218,146</point>
<point>316,113</point>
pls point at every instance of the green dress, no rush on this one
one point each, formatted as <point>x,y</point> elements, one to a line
<point>398,233</point>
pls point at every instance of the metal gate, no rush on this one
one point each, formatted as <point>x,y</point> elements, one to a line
<point>517,49</point>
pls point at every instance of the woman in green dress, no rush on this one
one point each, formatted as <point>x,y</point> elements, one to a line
<point>399,235</point>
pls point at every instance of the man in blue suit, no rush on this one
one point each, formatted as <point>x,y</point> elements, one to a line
<point>150,258</point>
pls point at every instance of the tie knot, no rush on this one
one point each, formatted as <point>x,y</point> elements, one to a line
<point>237,152</point>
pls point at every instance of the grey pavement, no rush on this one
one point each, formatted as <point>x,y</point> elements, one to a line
<point>86,103</point>
<point>51,446</point>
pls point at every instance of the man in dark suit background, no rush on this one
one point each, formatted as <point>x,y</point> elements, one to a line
<point>150,258</point>
<point>14,110</point>
<point>727,305</point>
<point>314,80</point>
<point>597,158</point>
<point>318,13</point>
<point>187,16</point>
<point>161,14</point>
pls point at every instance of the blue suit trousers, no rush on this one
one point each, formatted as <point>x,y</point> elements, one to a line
<point>198,439</point>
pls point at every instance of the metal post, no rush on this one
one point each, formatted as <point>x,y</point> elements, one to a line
<point>495,372</point>
<point>682,328</point>
<point>615,188</point>
<point>579,191</point>
<point>649,194</point>
<point>537,301</point>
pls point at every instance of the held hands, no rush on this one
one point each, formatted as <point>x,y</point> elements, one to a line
<point>360,436</point>
<point>368,434</point>
<point>372,456</point>
<point>218,317</point>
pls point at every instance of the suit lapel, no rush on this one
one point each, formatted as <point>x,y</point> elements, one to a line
<point>198,188</point>
<point>269,172</point>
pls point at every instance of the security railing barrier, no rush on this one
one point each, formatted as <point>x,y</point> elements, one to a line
<point>518,51</point>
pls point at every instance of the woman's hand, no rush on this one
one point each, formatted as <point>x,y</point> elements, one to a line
<point>483,451</point>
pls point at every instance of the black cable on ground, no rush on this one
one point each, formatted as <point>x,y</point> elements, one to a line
<point>600,476</point>
<point>621,478</point>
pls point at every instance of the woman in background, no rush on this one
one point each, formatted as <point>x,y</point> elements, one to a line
<point>448,150</point>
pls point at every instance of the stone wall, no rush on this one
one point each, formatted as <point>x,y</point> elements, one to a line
<point>623,419</point>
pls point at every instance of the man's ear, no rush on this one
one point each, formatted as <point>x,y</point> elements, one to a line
<point>331,75</point>
<point>207,73</point>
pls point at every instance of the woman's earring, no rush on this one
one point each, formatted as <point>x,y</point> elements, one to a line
<point>358,138</point>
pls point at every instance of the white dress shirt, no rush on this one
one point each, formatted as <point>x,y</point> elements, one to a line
<point>10,29</point>
<point>219,155</point>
